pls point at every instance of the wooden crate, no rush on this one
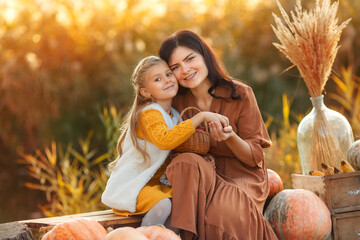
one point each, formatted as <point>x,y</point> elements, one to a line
<point>314,184</point>
<point>346,225</point>
<point>340,192</point>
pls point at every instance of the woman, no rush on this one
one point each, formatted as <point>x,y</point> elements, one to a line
<point>225,202</point>
<point>149,133</point>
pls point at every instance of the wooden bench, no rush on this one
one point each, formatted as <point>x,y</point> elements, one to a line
<point>107,218</point>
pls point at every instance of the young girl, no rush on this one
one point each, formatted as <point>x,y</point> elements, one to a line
<point>149,133</point>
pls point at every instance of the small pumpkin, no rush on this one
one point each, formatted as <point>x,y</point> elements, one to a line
<point>78,229</point>
<point>158,233</point>
<point>275,183</point>
<point>125,233</point>
<point>353,155</point>
<point>298,214</point>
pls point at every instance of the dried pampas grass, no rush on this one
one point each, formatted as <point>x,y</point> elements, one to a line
<point>310,41</point>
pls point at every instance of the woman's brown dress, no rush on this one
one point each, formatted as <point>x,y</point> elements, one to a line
<point>225,202</point>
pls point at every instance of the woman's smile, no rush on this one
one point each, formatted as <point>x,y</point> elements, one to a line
<point>191,76</point>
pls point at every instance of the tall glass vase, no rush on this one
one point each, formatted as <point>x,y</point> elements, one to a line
<point>323,136</point>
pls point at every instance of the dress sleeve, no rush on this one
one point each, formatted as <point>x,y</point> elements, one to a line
<point>154,129</point>
<point>251,126</point>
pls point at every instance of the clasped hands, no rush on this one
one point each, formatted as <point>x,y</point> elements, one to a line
<point>219,127</point>
<point>219,132</point>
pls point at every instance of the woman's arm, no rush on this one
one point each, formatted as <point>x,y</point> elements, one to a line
<point>249,136</point>
<point>237,145</point>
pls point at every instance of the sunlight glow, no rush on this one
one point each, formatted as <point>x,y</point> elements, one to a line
<point>63,17</point>
<point>36,38</point>
<point>252,4</point>
<point>200,6</point>
<point>157,7</point>
<point>82,11</point>
<point>33,61</point>
<point>120,5</point>
<point>10,15</point>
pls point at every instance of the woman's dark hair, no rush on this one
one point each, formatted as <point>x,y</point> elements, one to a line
<point>217,73</point>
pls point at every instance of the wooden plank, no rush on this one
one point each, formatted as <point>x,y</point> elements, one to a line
<point>15,231</point>
<point>107,218</point>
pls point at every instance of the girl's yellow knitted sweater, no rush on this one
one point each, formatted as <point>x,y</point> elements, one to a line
<point>154,130</point>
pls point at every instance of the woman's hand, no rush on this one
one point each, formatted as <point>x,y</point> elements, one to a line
<point>220,133</point>
<point>237,145</point>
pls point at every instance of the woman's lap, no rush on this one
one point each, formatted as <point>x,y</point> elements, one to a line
<point>204,204</point>
<point>193,180</point>
<point>233,215</point>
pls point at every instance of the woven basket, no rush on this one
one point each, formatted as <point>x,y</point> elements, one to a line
<point>198,142</point>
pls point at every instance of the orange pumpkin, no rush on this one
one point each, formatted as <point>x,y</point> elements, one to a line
<point>353,155</point>
<point>125,233</point>
<point>299,214</point>
<point>158,233</point>
<point>79,229</point>
<point>275,183</point>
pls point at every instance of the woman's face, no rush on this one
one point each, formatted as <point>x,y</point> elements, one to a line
<point>188,67</point>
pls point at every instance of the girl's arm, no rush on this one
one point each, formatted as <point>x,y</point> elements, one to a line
<point>155,130</point>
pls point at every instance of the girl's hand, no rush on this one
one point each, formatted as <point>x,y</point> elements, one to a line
<point>215,117</point>
<point>219,133</point>
<point>209,117</point>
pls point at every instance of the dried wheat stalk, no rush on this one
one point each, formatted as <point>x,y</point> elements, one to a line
<point>325,147</point>
<point>310,41</point>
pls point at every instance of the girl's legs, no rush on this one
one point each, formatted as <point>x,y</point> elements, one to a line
<point>158,213</point>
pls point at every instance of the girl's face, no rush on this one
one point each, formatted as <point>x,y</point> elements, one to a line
<point>188,67</point>
<point>160,83</point>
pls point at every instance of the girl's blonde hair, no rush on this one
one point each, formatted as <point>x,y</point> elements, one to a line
<point>138,79</point>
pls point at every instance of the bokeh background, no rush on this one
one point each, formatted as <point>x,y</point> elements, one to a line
<point>64,86</point>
